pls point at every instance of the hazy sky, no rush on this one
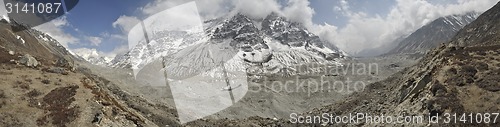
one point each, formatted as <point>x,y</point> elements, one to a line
<point>355,26</point>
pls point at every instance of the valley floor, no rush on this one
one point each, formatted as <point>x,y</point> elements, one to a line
<point>101,96</point>
<point>267,98</point>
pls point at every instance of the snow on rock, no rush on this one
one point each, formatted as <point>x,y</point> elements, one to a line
<point>274,45</point>
<point>92,56</point>
<point>21,39</point>
<point>6,18</point>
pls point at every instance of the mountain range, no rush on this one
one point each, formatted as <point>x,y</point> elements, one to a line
<point>460,76</point>
<point>272,43</point>
<point>459,72</point>
<point>289,35</point>
<point>434,33</point>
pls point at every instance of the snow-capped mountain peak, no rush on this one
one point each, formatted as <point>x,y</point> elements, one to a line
<point>431,35</point>
<point>92,56</point>
<point>273,43</point>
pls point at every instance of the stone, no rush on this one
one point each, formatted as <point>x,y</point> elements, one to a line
<point>66,62</point>
<point>57,70</point>
<point>29,61</point>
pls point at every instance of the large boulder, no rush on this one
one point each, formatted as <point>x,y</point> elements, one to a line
<point>66,62</point>
<point>29,61</point>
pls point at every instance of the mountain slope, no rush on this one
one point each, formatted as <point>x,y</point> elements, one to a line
<point>431,35</point>
<point>449,79</point>
<point>22,42</point>
<point>483,32</point>
<point>273,43</point>
<point>58,91</point>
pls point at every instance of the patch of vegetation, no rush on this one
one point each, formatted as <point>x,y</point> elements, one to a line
<point>481,66</point>
<point>2,97</point>
<point>45,81</point>
<point>28,80</point>
<point>58,102</point>
<point>34,93</point>
<point>437,89</point>
<point>483,48</point>
<point>2,94</point>
<point>22,85</point>
<point>468,72</point>
<point>8,120</point>
<point>490,81</point>
<point>448,101</point>
<point>32,101</point>
<point>5,73</point>
<point>452,71</point>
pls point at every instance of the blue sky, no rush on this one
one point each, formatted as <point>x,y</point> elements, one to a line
<point>325,11</point>
<point>95,17</point>
<point>353,25</point>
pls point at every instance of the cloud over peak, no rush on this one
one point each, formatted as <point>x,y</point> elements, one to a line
<point>363,30</point>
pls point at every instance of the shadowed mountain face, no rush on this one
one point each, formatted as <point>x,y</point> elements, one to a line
<point>431,35</point>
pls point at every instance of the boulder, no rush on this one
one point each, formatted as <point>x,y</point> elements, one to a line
<point>66,62</point>
<point>57,70</point>
<point>29,61</point>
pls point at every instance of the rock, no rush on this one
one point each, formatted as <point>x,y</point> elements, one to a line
<point>57,70</point>
<point>97,118</point>
<point>365,102</point>
<point>11,52</point>
<point>393,65</point>
<point>28,60</point>
<point>66,62</point>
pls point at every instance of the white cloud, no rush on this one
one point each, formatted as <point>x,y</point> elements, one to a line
<point>208,8</point>
<point>94,41</point>
<point>325,31</point>
<point>92,52</point>
<point>365,31</point>
<point>299,11</point>
<point>256,8</point>
<point>122,49</point>
<point>125,23</point>
<point>87,53</point>
<point>3,11</point>
<point>362,31</point>
<point>343,7</point>
<point>55,28</point>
